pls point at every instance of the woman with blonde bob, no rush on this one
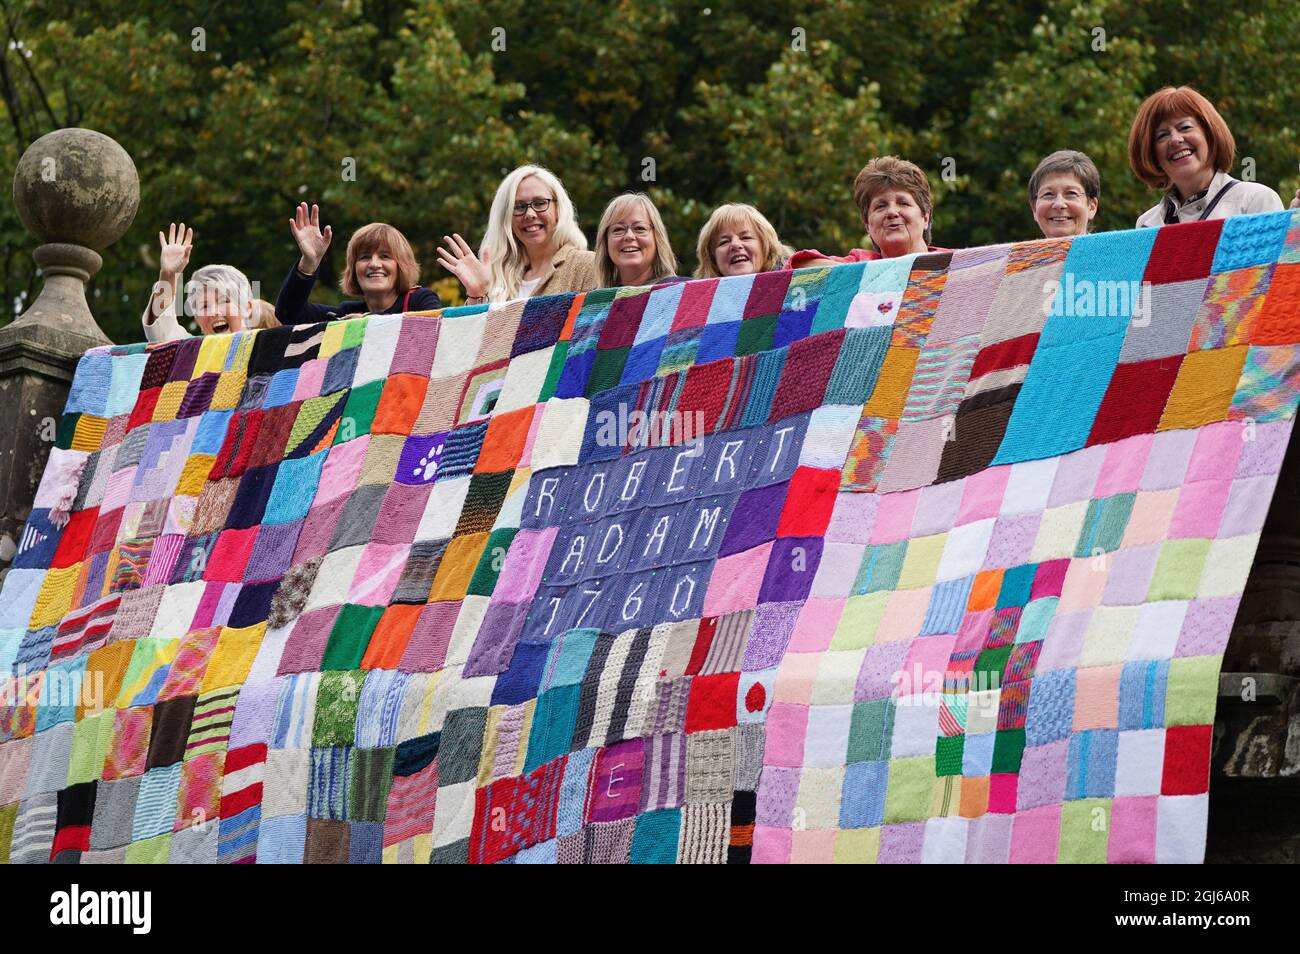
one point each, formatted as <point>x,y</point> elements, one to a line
<point>1179,143</point>
<point>738,240</point>
<point>632,245</point>
<point>381,268</point>
<point>532,246</point>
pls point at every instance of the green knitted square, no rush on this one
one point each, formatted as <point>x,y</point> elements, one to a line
<point>488,571</point>
<point>1085,830</point>
<point>354,332</point>
<point>948,754</point>
<point>881,567</point>
<point>840,290</point>
<point>910,789</point>
<point>483,500</point>
<point>359,412</point>
<point>858,365</point>
<point>1008,749</point>
<point>559,355</point>
<point>554,721</point>
<point>607,369</point>
<point>372,775</point>
<point>1178,570</point>
<point>336,709</point>
<point>756,334</point>
<point>1104,524</point>
<point>870,728</point>
<point>462,742</point>
<point>350,636</point>
<point>67,428</point>
<point>1193,690</point>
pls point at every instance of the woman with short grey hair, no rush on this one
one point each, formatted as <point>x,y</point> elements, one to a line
<point>219,297</point>
<point>1064,193</point>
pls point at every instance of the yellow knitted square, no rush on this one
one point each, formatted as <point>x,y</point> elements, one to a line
<point>212,354</point>
<point>195,475</point>
<point>332,341</point>
<point>89,433</point>
<point>169,400</point>
<point>1204,388</point>
<point>55,598</point>
<point>921,565</point>
<point>230,387</point>
<point>890,393</point>
<point>233,656</point>
<point>457,567</point>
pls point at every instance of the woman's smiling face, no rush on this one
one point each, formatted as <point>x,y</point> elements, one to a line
<point>737,250</point>
<point>896,223</point>
<point>534,229</point>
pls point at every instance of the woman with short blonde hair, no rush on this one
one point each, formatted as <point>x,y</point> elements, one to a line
<point>738,240</point>
<point>632,246</point>
<point>532,245</point>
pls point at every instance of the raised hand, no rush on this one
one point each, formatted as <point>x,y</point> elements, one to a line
<point>311,238</point>
<point>473,272</point>
<point>175,246</point>
<point>1295,203</point>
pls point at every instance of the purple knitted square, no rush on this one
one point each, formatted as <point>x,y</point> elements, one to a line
<point>1042,775</point>
<point>1206,626</point>
<point>881,668</point>
<point>498,633</point>
<point>989,840</point>
<point>853,517</point>
<point>777,789</point>
<point>420,458</point>
<point>255,715</point>
<point>1013,540</point>
<point>305,649</point>
<point>1076,476</point>
<point>1167,462</point>
<point>1130,576</point>
<point>318,530</point>
<point>773,625</point>
<point>416,343</point>
<point>755,518</point>
<point>1064,640</point>
<point>1263,455</point>
<point>272,552</point>
<point>901,844</point>
<point>427,649</point>
<point>936,510</point>
<point>791,568</point>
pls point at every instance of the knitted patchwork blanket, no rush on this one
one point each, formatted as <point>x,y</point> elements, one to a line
<point>924,559</point>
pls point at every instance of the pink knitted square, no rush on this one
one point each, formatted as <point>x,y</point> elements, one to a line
<point>894,516</point>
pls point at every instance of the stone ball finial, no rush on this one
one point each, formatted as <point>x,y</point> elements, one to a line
<point>76,186</point>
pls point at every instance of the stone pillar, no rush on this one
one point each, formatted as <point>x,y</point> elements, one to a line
<point>76,192</point>
<point>1255,765</point>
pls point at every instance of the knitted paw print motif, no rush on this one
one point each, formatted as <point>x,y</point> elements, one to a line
<point>428,464</point>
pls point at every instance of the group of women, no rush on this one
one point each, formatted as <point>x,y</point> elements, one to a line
<point>1178,143</point>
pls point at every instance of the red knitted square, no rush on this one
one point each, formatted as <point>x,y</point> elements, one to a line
<point>75,539</point>
<point>1279,319</point>
<point>703,642</point>
<point>142,413</point>
<point>1135,399</point>
<point>767,294</point>
<point>1005,354</point>
<point>273,435</point>
<point>809,502</point>
<point>241,435</point>
<point>230,555</point>
<point>712,702</point>
<point>808,367</point>
<point>1183,252</point>
<point>1187,760</point>
<point>693,309</point>
<point>105,534</point>
<point>704,391</point>
<point>619,329</point>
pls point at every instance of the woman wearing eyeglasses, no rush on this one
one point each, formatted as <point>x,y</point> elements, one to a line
<point>533,245</point>
<point>632,244</point>
<point>1064,193</point>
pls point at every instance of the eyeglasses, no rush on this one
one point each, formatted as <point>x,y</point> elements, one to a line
<point>1070,195</point>
<point>620,230</point>
<point>538,205</point>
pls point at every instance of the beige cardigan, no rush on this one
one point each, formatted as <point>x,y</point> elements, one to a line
<point>572,270</point>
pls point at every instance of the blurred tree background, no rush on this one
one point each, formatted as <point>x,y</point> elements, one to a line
<point>236,112</point>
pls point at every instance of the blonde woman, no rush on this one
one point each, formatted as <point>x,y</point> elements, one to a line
<point>738,240</point>
<point>632,245</point>
<point>219,297</point>
<point>533,245</point>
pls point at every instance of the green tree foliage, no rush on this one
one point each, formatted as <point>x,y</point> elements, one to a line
<point>410,111</point>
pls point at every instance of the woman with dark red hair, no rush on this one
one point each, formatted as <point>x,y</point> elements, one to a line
<point>1178,142</point>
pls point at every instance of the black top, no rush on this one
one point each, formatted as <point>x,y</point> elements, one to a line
<point>292,306</point>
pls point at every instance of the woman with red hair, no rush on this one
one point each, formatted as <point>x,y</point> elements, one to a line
<point>1179,143</point>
